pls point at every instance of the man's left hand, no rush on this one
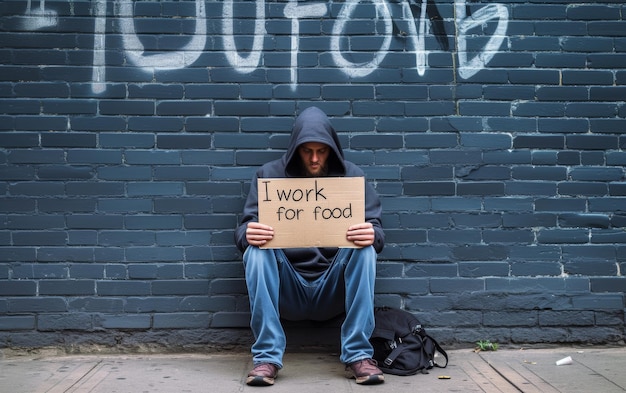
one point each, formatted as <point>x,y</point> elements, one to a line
<point>361,235</point>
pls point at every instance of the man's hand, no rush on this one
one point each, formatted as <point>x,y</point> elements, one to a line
<point>361,235</point>
<point>258,234</point>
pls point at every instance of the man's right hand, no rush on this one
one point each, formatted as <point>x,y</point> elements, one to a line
<point>258,234</point>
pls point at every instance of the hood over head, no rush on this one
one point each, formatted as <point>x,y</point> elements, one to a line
<point>312,125</point>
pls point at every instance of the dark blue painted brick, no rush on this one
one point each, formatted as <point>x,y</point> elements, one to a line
<point>156,124</point>
<point>484,109</point>
<point>91,271</point>
<point>68,139</point>
<point>408,285</point>
<point>593,12</point>
<point>376,141</point>
<point>85,107</point>
<point>37,304</point>
<point>480,252</point>
<point>183,108</point>
<point>456,204</point>
<point>590,142</point>
<point>606,125</point>
<point>536,269</point>
<point>212,124</point>
<point>608,28</point>
<point>17,322</point>
<point>38,123</point>
<point>597,174</point>
<point>131,140</point>
<point>124,321</point>
<point>241,141</point>
<point>608,284</point>
<point>539,141</point>
<point>588,77</point>
<point>50,89</point>
<point>600,93</point>
<point>463,157</point>
<point>123,288</point>
<point>562,93</point>
<point>152,271</point>
<point>536,76</point>
<point>94,157</point>
<point>431,140</point>
<point>65,321</point>
<point>18,288</point>
<point>162,91</point>
<point>67,287</point>
<point>456,285</point>
<point>555,28</point>
<point>126,107</point>
<point>430,188</point>
<point>583,188</point>
<point>480,188</point>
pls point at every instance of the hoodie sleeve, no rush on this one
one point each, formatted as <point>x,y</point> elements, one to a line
<point>373,211</point>
<point>250,214</point>
<point>373,206</point>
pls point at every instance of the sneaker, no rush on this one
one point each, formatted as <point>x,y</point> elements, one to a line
<point>366,372</point>
<point>262,375</point>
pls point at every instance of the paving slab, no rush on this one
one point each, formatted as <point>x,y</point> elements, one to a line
<point>535,370</point>
<point>502,371</point>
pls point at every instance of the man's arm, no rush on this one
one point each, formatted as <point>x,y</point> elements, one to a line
<point>250,215</point>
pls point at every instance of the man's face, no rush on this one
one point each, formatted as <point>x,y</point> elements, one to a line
<point>314,157</point>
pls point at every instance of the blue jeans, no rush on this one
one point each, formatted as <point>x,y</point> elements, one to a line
<point>277,291</point>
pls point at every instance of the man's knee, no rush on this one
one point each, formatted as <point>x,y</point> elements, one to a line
<point>258,259</point>
<point>254,253</point>
<point>365,254</point>
<point>362,259</point>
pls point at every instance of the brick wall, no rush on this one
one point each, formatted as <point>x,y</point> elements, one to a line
<point>493,131</point>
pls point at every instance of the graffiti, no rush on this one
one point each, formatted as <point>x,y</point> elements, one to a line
<point>469,67</point>
<point>410,22</point>
<point>39,18</point>
<point>168,60</point>
<point>99,42</point>
<point>251,62</point>
<point>296,12</point>
<point>362,69</point>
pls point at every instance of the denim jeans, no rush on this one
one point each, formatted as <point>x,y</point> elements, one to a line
<point>277,291</point>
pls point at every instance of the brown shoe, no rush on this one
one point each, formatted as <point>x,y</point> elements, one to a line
<point>262,375</point>
<point>366,372</point>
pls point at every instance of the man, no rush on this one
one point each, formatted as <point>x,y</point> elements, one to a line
<point>311,283</point>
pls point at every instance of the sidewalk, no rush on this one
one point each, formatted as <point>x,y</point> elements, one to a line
<point>594,369</point>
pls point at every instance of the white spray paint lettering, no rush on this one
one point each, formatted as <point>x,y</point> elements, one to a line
<point>469,67</point>
<point>39,18</point>
<point>349,68</point>
<point>135,51</point>
<point>469,63</point>
<point>296,12</point>
<point>99,44</point>
<point>251,62</point>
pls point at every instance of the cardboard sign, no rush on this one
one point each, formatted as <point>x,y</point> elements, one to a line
<point>312,211</point>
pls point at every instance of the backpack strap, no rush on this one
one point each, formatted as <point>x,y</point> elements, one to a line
<point>393,355</point>
<point>441,351</point>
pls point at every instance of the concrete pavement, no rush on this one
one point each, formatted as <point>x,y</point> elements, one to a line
<point>594,369</point>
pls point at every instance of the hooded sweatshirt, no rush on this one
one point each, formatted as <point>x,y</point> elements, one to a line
<point>312,125</point>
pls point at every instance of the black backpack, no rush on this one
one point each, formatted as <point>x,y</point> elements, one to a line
<point>401,345</point>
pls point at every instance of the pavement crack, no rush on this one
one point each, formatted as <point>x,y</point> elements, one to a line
<point>84,377</point>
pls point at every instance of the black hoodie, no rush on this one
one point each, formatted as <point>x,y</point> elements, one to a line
<point>312,125</point>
